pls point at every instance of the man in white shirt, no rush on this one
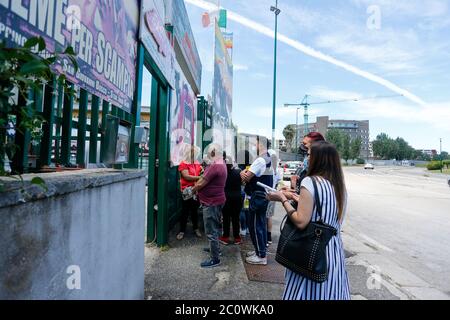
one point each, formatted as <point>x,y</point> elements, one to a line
<point>260,171</point>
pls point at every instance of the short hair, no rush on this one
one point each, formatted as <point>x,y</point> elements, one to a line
<point>264,141</point>
<point>315,136</point>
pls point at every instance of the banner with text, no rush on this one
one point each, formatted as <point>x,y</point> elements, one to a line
<point>182,117</point>
<point>223,83</point>
<point>103,34</point>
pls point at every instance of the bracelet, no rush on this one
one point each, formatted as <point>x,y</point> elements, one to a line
<point>284,201</point>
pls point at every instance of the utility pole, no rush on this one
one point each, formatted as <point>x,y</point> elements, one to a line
<point>296,134</point>
<point>440,153</point>
<point>277,12</point>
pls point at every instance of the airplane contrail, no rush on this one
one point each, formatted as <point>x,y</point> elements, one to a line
<point>310,51</point>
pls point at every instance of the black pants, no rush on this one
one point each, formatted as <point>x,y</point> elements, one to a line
<point>190,208</point>
<point>231,211</point>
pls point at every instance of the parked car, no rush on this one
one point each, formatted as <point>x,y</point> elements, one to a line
<point>369,166</point>
<point>290,168</point>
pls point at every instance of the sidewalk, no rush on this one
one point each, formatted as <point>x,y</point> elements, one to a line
<point>175,273</point>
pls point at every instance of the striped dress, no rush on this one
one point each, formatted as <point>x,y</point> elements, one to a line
<point>336,287</point>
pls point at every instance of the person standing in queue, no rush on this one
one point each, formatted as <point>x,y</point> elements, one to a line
<point>233,205</point>
<point>211,193</point>
<point>190,170</point>
<point>260,171</point>
<point>301,172</point>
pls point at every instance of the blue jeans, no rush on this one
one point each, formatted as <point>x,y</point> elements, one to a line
<point>243,219</point>
<point>257,224</point>
<point>213,228</point>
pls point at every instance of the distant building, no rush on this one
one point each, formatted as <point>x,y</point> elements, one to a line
<point>354,128</point>
<point>282,144</point>
<point>431,153</point>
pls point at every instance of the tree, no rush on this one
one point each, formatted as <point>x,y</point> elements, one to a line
<point>289,134</point>
<point>355,148</point>
<point>346,150</point>
<point>335,137</point>
<point>380,146</point>
<point>445,155</point>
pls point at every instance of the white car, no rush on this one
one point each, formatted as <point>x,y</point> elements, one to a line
<point>369,166</point>
<point>290,168</point>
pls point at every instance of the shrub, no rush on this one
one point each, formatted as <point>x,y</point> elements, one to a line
<point>446,163</point>
<point>435,165</point>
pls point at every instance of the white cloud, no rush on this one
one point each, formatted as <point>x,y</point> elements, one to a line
<point>391,51</point>
<point>437,115</point>
<point>239,67</point>
<point>311,52</point>
<point>412,8</point>
<point>259,76</point>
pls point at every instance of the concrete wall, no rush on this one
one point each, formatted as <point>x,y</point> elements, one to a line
<point>91,219</point>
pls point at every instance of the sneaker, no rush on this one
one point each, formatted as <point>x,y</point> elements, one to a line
<point>243,232</point>
<point>250,254</point>
<point>269,237</point>
<point>210,263</point>
<point>180,236</point>
<point>208,250</point>
<point>237,240</point>
<point>224,240</point>
<point>256,260</point>
<point>198,234</point>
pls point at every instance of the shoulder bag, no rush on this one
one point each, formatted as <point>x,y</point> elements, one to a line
<point>304,251</point>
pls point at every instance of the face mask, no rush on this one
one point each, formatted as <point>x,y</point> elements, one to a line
<point>303,149</point>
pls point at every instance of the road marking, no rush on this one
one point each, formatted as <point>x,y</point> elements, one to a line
<point>375,243</point>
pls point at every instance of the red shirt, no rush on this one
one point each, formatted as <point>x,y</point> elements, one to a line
<point>193,169</point>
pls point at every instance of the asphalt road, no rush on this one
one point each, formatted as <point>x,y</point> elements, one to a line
<point>397,227</point>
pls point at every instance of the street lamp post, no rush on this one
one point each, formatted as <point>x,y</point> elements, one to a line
<point>296,134</point>
<point>440,153</point>
<point>277,12</point>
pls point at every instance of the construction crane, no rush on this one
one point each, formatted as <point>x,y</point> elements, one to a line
<point>306,105</point>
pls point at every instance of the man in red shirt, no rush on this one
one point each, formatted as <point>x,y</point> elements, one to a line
<point>190,173</point>
<point>211,192</point>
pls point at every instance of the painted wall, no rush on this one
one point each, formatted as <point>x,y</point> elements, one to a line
<point>91,222</point>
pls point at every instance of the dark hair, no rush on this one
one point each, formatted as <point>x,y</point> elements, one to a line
<point>315,136</point>
<point>324,161</point>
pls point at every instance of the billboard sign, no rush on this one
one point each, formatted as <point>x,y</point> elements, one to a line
<point>182,117</point>
<point>154,37</point>
<point>222,82</point>
<point>103,34</point>
<point>185,38</point>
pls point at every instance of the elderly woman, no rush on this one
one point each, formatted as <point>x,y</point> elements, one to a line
<point>190,170</point>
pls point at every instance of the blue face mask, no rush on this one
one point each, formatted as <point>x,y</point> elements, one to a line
<point>305,163</point>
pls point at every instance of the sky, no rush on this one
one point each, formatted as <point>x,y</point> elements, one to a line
<point>337,50</point>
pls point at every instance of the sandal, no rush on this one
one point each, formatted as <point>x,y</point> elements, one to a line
<point>180,236</point>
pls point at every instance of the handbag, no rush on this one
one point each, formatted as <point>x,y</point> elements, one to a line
<point>304,251</point>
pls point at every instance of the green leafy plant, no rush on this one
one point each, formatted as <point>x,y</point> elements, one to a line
<point>434,165</point>
<point>25,70</point>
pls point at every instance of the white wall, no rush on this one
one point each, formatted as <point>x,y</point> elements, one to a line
<point>99,228</point>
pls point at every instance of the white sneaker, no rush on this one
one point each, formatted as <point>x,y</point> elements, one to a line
<point>256,260</point>
<point>250,254</point>
<point>243,232</point>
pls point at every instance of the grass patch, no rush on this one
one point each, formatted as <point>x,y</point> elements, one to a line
<point>422,165</point>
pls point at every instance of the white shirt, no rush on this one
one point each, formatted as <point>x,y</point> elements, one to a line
<point>258,168</point>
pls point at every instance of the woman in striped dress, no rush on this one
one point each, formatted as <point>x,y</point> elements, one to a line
<point>325,167</point>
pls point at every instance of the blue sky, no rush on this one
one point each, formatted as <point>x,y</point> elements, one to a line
<point>409,49</point>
